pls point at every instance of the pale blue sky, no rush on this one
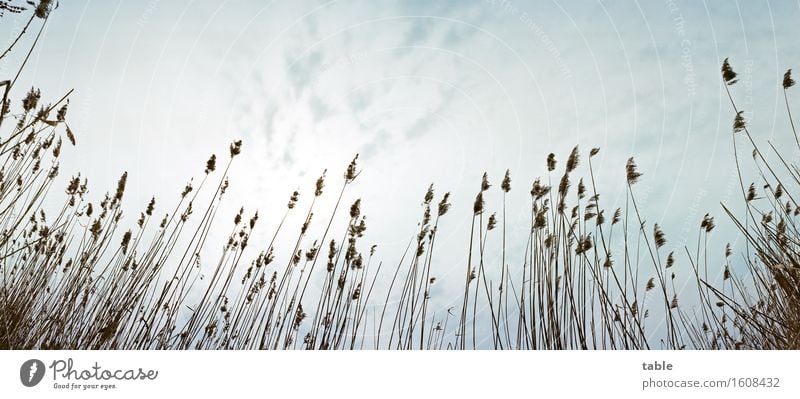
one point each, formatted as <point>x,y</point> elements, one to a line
<point>426,91</point>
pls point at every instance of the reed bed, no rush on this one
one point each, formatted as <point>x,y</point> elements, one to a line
<point>590,277</point>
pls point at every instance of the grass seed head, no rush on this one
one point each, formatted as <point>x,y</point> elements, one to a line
<point>211,164</point>
<point>485,182</point>
<point>728,75</point>
<point>43,9</point>
<point>492,222</point>
<point>658,235</point>
<point>293,200</point>
<point>236,148</point>
<point>31,99</point>
<point>739,123</point>
<point>506,185</point>
<point>708,223</point>
<point>150,206</point>
<point>751,192</point>
<point>351,173</point>
<point>428,195</point>
<point>631,173</point>
<point>355,209</point>
<point>444,206</point>
<point>573,160</point>
<point>70,136</point>
<point>320,184</point>
<point>477,207</point>
<point>787,79</point>
<point>121,187</point>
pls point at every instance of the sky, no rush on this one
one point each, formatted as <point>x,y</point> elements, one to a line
<point>425,92</point>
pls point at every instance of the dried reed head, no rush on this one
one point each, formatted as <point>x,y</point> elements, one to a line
<point>61,115</point>
<point>608,262</point>
<point>539,190</point>
<point>211,164</point>
<point>506,185</point>
<point>477,207</point>
<point>31,99</point>
<point>187,189</point>
<point>601,218</point>
<point>787,79</point>
<point>631,173</point>
<point>43,8</point>
<point>70,136</point>
<point>485,182</point>
<point>293,200</point>
<point>331,254</point>
<point>708,223</point>
<point>356,292</point>
<point>563,186</point>
<point>6,6</point>
<point>312,252</point>
<point>238,218</point>
<point>74,183</point>
<point>351,173</point>
<point>444,206</point>
<point>320,184</point>
<point>126,239</point>
<point>299,316</point>
<point>428,195</point>
<point>573,160</point>
<point>617,216</point>
<point>584,244</point>
<point>253,220</point>
<point>492,222</point>
<point>540,221</point>
<point>739,123</point>
<point>766,218</point>
<point>728,75</point>
<point>121,187</point>
<point>236,148</point>
<point>307,223</point>
<point>426,216</point>
<point>658,236</point>
<point>355,209</point>
<point>751,192</point>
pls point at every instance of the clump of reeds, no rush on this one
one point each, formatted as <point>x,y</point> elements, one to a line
<point>83,277</point>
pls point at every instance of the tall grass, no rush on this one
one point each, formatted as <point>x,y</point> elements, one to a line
<point>589,277</point>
